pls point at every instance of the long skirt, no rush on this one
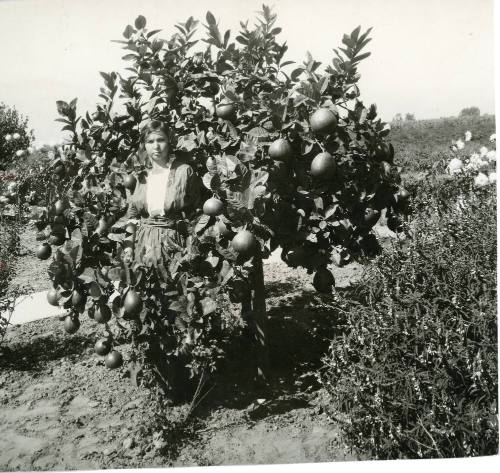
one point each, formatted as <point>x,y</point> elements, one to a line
<point>154,242</point>
<point>154,245</point>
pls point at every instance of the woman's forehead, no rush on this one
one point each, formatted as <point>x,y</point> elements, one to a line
<point>156,134</point>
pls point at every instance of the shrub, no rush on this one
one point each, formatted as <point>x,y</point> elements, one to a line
<point>14,135</point>
<point>9,247</point>
<point>470,112</point>
<point>416,368</point>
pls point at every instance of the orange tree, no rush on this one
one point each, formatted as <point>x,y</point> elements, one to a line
<point>291,160</point>
<point>15,137</point>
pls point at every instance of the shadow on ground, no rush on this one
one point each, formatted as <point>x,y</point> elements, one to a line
<point>33,356</point>
<point>301,326</point>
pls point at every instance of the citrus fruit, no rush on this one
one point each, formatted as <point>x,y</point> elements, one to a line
<point>280,150</point>
<point>225,110</point>
<point>213,207</point>
<point>132,303</point>
<point>244,243</point>
<point>102,314</point>
<point>113,360</point>
<point>323,166</point>
<point>370,217</point>
<point>394,223</point>
<point>71,324</point>
<point>323,121</point>
<point>44,251</point>
<point>129,182</point>
<point>53,297</point>
<point>77,298</point>
<point>323,280</point>
<point>102,346</point>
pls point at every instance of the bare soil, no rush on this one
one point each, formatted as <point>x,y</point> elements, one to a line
<point>61,409</point>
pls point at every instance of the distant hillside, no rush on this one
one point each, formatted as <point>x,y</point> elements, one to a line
<point>419,143</point>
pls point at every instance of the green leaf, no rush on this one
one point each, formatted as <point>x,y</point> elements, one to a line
<point>87,276</point>
<point>152,33</point>
<point>348,41</point>
<point>140,22</point>
<point>210,19</point>
<point>157,45</point>
<point>296,73</point>
<point>211,182</point>
<point>208,305</point>
<point>227,34</point>
<point>242,40</point>
<point>202,223</point>
<point>355,33</point>
<point>361,57</point>
<point>129,31</point>
<point>323,84</point>
<point>115,274</point>
<point>62,107</point>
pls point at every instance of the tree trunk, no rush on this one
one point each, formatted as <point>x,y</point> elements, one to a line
<point>253,310</point>
<point>260,321</point>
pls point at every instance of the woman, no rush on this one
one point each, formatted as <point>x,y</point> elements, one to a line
<point>162,206</point>
<point>161,203</point>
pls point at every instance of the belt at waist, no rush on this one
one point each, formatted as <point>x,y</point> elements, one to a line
<point>163,222</point>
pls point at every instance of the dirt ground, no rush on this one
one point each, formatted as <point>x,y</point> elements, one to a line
<point>61,409</point>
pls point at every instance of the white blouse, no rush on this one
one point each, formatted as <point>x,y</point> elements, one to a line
<point>156,190</point>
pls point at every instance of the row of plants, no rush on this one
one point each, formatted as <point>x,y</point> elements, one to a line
<point>15,138</point>
<point>416,367</point>
<point>10,245</point>
<point>420,144</point>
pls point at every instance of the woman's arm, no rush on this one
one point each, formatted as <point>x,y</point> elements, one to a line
<point>193,194</point>
<point>133,215</point>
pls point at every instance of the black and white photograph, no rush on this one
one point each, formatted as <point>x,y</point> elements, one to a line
<point>247,233</point>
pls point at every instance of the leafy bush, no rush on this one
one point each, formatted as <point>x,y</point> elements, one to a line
<point>470,112</point>
<point>14,135</point>
<point>9,247</point>
<point>416,368</point>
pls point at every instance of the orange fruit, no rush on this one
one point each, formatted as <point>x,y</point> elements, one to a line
<point>225,110</point>
<point>113,360</point>
<point>323,166</point>
<point>244,243</point>
<point>213,207</point>
<point>323,121</point>
<point>280,150</point>
<point>44,251</point>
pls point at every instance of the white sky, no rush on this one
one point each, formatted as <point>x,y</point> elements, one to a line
<point>429,57</point>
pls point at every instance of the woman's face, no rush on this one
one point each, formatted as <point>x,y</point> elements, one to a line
<point>156,145</point>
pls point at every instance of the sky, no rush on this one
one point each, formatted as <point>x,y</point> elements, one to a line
<point>430,58</point>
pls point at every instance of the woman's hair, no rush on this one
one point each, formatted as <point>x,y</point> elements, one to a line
<point>154,126</point>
